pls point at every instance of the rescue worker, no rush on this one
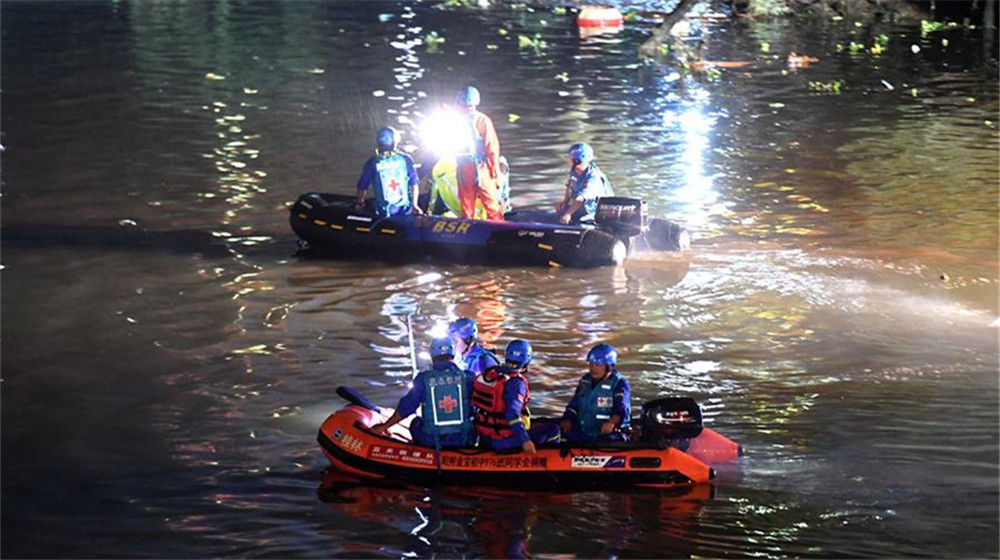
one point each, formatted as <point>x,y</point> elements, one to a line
<point>500,396</point>
<point>443,395</point>
<point>479,164</point>
<point>393,175</point>
<point>585,185</point>
<point>441,181</point>
<point>471,355</point>
<point>600,409</point>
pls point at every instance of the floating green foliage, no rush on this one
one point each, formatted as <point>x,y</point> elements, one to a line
<point>563,76</point>
<point>536,42</point>
<point>928,27</point>
<point>629,15</point>
<point>459,3</point>
<point>882,40</point>
<point>765,47</point>
<point>503,32</point>
<point>827,87</point>
<point>513,117</point>
<point>433,41</point>
<point>559,10</point>
<point>665,49</point>
<point>713,73</point>
<point>767,8</point>
<point>857,47</point>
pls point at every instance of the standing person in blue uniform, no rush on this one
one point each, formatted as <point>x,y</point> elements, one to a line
<point>471,355</point>
<point>601,407</point>
<point>443,394</point>
<point>585,185</point>
<point>393,175</point>
<point>500,396</point>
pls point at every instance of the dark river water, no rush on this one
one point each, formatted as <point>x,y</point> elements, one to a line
<point>167,358</point>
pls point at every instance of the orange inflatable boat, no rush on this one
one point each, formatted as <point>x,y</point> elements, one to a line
<point>676,449</point>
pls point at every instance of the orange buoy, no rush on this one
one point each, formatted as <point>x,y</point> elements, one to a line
<point>599,16</point>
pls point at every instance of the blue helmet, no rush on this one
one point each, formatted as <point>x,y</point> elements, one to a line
<point>463,327</point>
<point>468,97</point>
<point>442,346</point>
<point>518,352</point>
<point>602,354</point>
<point>581,152</point>
<point>385,138</point>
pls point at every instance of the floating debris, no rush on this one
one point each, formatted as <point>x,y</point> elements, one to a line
<point>796,61</point>
<point>536,42</point>
<point>214,76</point>
<point>433,41</point>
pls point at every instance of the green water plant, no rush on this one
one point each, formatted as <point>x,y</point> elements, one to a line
<point>833,86</point>
<point>536,42</point>
<point>433,41</point>
<point>767,8</point>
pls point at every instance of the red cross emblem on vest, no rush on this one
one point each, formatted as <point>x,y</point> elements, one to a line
<point>447,403</point>
<point>393,184</point>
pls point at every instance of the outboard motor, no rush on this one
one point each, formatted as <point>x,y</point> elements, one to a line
<point>626,217</point>
<point>671,418</point>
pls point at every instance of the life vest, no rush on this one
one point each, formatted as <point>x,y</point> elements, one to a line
<point>476,150</point>
<point>487,397</point>
<point>444,187</point>
<point>446,407</point>
<point>393,192</point>
<point>596,403</point>
<point>478,359</point>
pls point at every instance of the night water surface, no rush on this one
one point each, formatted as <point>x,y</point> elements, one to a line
<point>167,358</point>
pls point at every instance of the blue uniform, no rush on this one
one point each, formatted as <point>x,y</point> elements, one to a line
<point>444,396</point>
<point>594,403</point>
<point>478,359</point>
<point>394,177</point>
<point>515,393</point>
<point>591,185</point>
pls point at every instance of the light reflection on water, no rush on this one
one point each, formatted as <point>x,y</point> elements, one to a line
<point>837,315</point>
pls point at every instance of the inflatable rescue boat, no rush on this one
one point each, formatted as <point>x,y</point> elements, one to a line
<point>672,448</point>
<point>330,224</point>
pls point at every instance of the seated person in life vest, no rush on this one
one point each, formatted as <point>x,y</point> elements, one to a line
<point>600,409</point>
<point>440,179</point>
<point>500,397</point>
<point>393,175</point>
<point>586,184</point>
<point>471,354</point>
<point>443,395</point>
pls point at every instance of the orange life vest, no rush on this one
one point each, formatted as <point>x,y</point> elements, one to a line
<point>487,398</point>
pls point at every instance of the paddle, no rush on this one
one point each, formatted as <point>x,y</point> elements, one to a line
<point>413,351</point>
<point>354,397</point>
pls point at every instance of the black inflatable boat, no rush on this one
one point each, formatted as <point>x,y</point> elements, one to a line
<point>330,224</point>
